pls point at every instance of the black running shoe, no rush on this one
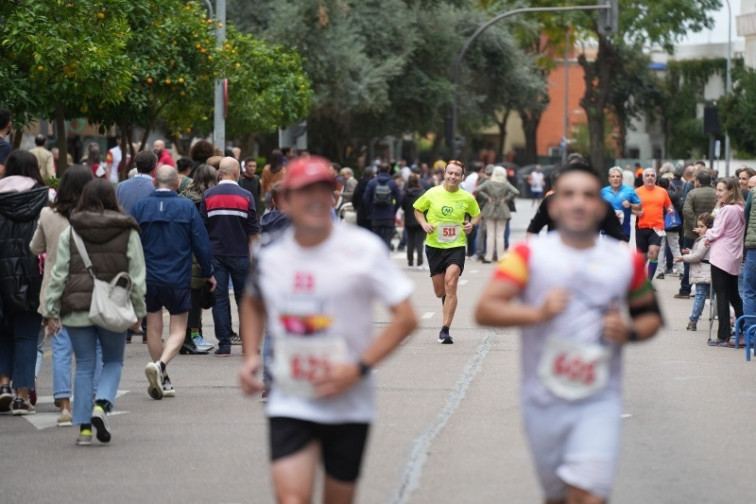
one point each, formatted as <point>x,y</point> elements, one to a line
<point>445,338</point>
<point>101,424</point>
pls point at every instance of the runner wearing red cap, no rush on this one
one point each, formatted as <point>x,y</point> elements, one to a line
<point>315,286</point>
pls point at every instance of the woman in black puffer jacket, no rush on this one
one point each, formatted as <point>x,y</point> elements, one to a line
<point>23,194</point>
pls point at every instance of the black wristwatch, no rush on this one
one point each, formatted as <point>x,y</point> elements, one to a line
<point>363,367</point>
<point>633,336</point>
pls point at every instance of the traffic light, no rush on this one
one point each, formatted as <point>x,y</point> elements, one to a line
<point>608,17</point>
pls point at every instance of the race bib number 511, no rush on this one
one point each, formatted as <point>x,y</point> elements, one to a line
<point>572,370</point>
<point>447,233</point>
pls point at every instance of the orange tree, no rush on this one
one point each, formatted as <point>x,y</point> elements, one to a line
<point>172,59</point>
<point>267,88</point>
<point>57,57</point>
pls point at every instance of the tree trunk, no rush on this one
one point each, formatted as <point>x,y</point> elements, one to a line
<point>500,154</point>
<point>530,122</point>
<point>598,77</point>
<point>18,135</point>
<point>123,166</point>
<point>60,129</point>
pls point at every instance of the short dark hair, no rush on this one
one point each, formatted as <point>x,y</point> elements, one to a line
<point>5,118</point>
<point>384,168</point>
<point>577,167</point>
<point>40,140</point>
<point>229,152</point>
<point>201,150</point>
<point>23,163</point>
<point>145,161</point>
<point>98,196</point>
<point>704,178</point>
<point>707,219</point>
<point>184,164</point>
<point>247,160</point>
<point>70,188</point>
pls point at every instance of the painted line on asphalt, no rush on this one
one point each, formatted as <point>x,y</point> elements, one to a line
<point>462,282</point>
<point>418,453</point>
<point>474,271</point>
<point>428,314</point>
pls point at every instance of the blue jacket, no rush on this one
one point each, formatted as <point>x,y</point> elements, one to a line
<point>132,190</point>
<point>386,213</point>
<point>172,231</point>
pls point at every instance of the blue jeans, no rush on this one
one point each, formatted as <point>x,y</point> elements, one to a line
<point>18,347</point>
<point>234,270</point>
<point>702,293</point>
<point>472,243</point>
<point>507,231</point>
<point>84,342</point>
<point>384,230</point>
<point>749,283</point>
<point>61,364</point>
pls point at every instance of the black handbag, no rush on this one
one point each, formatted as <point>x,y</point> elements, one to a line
<point>207,297</point>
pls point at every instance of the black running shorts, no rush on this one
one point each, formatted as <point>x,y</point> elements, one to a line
<point>175,300</point>
<point>341,445</point>
<point>439,259</point>
<point>644,238</point>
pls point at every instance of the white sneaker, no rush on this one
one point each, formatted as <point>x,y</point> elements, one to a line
<point>155,376</point>
<point>202,344</point>
<point>65,419</point>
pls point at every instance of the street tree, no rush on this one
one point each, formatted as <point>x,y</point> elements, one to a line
<point>57,57</point>
<point>738,110</point>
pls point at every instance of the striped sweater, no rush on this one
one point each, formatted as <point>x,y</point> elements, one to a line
<point>229,214</point>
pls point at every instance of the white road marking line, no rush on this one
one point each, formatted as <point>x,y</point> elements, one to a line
<point>474,271</point>
<point>626,415</point>
<point>418,453</point>
<point>47,420</point>
<point>462,282</point>
<point>428,314</point>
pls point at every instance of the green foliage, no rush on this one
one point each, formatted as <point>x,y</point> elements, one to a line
<point>683,87</point>
<point>61,55</point>
<point>738,110</point>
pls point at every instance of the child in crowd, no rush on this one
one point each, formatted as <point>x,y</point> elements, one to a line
<point>700,270</point>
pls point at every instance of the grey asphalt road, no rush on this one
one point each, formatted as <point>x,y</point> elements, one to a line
<point>448,430</point>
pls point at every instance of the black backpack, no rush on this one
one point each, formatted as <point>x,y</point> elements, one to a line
<point>382,196</point>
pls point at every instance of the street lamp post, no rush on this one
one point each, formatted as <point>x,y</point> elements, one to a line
<point>219,118</point>
<point>728,83</point>
<point>608,6</point>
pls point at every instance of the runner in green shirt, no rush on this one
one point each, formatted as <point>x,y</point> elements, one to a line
<point>442,212</point>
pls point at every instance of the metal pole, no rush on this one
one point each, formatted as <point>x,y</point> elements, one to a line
<point>482,28</point>
<point>566,94</point>
<point>728,83</point>
<point>219,120</point>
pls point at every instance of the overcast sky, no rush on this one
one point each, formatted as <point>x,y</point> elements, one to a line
<point>719,33</point>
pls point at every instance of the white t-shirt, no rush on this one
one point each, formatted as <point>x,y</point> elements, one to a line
<point>536,181</point>
<point>470,182</point>
<point>596,278</point>
<point>114,161</point>
<point>326,292</point>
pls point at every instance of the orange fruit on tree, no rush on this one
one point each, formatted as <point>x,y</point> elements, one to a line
<point>149,80</point>
<point>167,81</point>
<point>101,15</point>
<point>180,80</point>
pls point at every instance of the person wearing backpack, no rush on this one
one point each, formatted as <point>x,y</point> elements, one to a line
<point>382,199</point>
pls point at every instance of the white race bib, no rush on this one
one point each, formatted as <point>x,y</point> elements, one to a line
<point>447,232</point>
<point>300,360</point>
<point>620,215</point>
<point>572,370</point>
<point>660,232</point>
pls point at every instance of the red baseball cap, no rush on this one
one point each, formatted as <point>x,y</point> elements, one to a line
<point>304,171</point>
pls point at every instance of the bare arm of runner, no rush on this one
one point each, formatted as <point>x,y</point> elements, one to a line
<point>251,325</point>
<point>496,306</point>
<point>646,320</point>
<point>340,377</point>
<point>420,216</point>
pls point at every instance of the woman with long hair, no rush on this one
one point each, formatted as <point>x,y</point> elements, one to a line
<point>22,197</point>
<point>498,192</point>
<point>111,239</point>
<point>52,222</point>
<point>726,254</point>
<point>205,177</point>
